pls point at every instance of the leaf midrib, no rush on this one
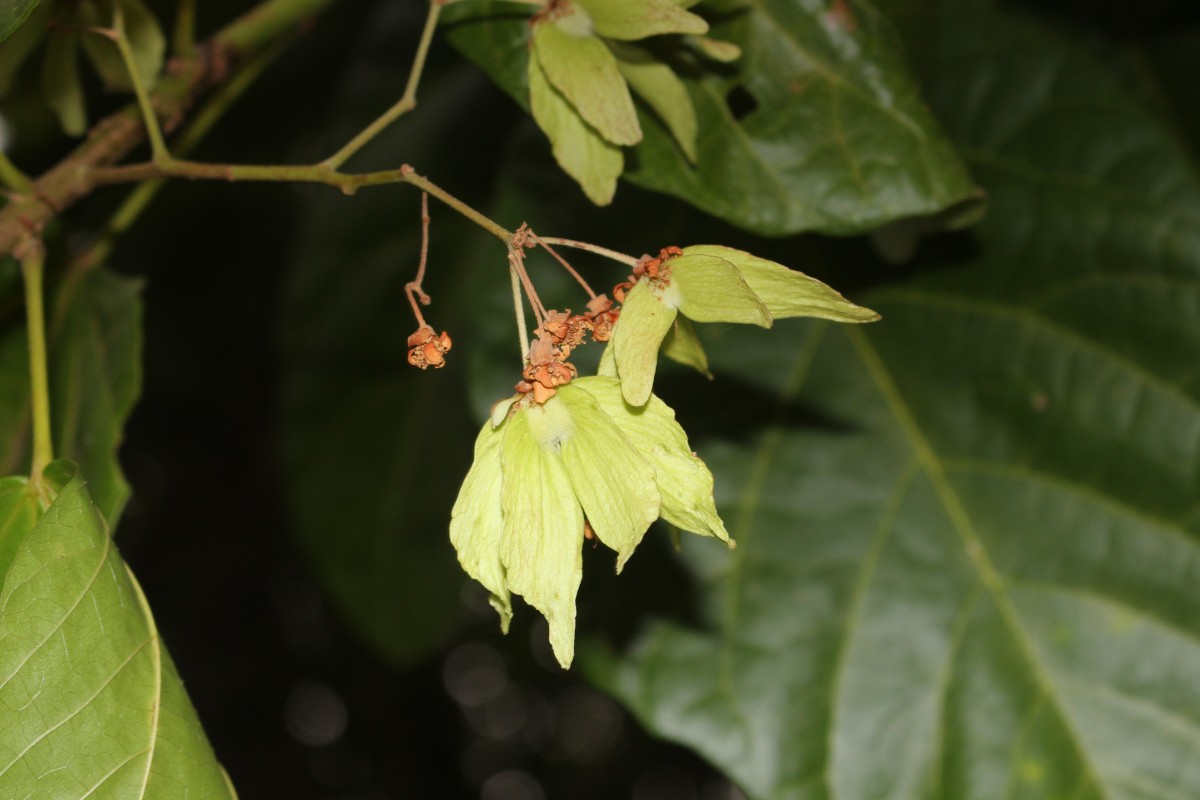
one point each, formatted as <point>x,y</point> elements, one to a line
<point>973,546</point>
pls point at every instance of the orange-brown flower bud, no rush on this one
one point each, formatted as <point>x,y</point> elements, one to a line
<point>427,349</point>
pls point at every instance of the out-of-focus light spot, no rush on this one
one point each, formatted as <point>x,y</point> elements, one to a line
<point>5,135</point>
<point>505,715</point>
<point>512,784</point>
<point>588,723</point>
<point>314,714</point>
<point>474,673</point>
<point>482,759</point>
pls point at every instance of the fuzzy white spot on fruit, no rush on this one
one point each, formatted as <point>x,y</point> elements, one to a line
<point>670,297</point>
<point>551,424</point>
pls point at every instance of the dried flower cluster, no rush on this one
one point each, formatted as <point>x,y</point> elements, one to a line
<point>428,349</point>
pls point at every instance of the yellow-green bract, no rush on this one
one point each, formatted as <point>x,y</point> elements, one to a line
<point>580,81</point>
<point>540,471</point>
<point>710,283</point>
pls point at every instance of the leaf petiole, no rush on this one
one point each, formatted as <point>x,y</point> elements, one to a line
<point>32,255</point>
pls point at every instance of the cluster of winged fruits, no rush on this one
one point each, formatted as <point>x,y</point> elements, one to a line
<point>569,458</point>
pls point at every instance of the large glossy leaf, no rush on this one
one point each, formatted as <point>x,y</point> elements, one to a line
<point>980,578</point>
<point>13,13</point>
<point>93,706</point>
<point>95,378</point>
<point>827,131</point>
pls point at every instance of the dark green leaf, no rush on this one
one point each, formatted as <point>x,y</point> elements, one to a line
<point>95,378</point>
<point>93,705</point>
<point>13,14</point>
<point>979,578</point>
<point>61,83</point>
<point>15,49</point>
<point>834,136</point>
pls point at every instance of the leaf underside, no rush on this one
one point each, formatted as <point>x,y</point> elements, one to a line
<point>93,705</point>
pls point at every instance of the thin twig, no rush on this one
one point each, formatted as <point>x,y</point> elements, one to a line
<point>139,199</point>
<point>591,248</point>
<point>413,288</point>
<point>578,278</point>
<point>516,259</point>
<point>111,139</point>
<point>407,101</point>
<point>519,305</point>
<point>158,147</point>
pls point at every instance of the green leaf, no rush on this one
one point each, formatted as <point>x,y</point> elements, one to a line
<point>979,577</point>
<point>786,292</point>
<point>663,91</point>
<point>581,152</point>
<point>682,345</point>
<point>710,289</point>
<point>636,337</point>
<point>838,139</point>
<point>146,40</point>
<point>614,483</point>
<point>93,705</point>
<point>95,378</point>
<point>18,512</point>
<point>637,19</point>
<point>13,15</point>
<point>585,73</point>
<point>17,47</point>
<point>61,83</point>
<point>542,547</point>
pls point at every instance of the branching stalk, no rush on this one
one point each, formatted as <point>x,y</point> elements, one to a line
<point>12,178</point>
<point>565,265</point>
<point>407,101</point>
<point>158,147</point>
<point>139,199</point>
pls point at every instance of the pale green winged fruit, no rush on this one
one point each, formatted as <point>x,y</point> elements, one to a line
<point>580,75</point>
<point>544,473</point>
<point>707,283</point>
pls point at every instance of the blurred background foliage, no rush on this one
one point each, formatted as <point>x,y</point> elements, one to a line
<point>969,534</point>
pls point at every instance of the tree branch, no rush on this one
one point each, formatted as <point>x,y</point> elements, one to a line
<point>112,139</point>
